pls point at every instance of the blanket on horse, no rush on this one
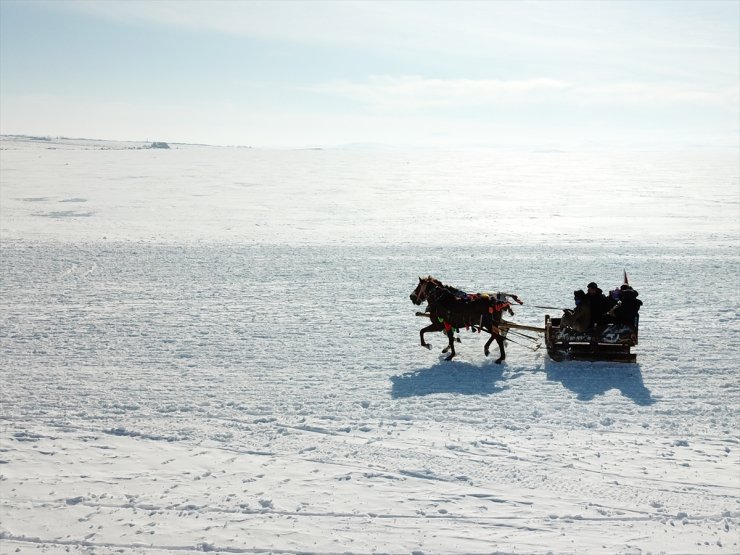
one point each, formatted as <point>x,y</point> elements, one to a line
<point>457,309</point>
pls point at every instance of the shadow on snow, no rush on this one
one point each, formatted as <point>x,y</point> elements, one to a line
<point>586,380</point>
<point>589,380</point>
<point>445,377</point>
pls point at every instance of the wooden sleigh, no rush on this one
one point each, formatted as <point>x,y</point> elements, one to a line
<point>613,344</point>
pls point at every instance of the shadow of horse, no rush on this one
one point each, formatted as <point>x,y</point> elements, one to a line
<point>591,380</point>
<point>460,377</point>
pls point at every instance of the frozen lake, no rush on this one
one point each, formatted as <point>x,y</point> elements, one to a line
<point>382,197</point>
<point>214,350</point>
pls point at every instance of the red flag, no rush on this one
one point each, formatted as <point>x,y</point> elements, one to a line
<point>626,281</point>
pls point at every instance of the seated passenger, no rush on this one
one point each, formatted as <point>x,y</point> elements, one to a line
<point>626,312</point>
<point>579,318</point>
<point>611,304</point>
<point>613,298</point>
<point>598,304</point>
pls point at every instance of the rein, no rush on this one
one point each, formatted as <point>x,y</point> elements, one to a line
<point>422,294</point>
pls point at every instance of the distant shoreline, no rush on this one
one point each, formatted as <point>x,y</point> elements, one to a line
<point>123,144</point>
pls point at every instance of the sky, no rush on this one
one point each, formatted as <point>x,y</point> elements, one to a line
<point>523,74</point>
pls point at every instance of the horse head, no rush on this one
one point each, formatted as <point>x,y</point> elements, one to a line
<point>426,285</point>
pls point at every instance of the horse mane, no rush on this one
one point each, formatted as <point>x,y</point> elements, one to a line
<point>435,281</point>
<point>498,295</point>
<point>449,288</point>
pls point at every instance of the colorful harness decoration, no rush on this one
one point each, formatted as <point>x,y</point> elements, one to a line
<point>497,306</point>
<point>447,325</point>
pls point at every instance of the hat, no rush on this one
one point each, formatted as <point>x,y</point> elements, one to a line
<point>592,285</point>
<point>579,294</point>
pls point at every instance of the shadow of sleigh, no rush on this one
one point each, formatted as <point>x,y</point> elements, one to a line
<point>586,380</point>
<point>590,380</point>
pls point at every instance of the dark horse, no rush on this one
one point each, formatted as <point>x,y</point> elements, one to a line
<point>450,308</point>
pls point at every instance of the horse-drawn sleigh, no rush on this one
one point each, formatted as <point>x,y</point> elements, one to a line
<point>451,309</point>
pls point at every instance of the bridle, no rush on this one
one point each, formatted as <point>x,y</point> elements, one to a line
<point>422,293</point>
<point>431,291</point>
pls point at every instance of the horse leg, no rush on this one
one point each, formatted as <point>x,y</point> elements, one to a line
<point>501,348</point>
<point>486,350</point>
<point>486,323</point>
<point>431,327</point>
<point>451,346</point>
<point>448,347</point>
<point>499,340</point>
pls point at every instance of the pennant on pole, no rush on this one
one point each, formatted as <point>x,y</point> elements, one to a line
<point>626,281</point>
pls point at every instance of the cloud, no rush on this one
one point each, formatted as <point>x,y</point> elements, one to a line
<point>287,20</point>
<point>389,93</point>
<point>413,92</point>
<point>664,94</point>
<point>639,31</point>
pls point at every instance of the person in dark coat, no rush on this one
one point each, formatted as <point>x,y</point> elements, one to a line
<point>610,305</point>
<point>598,304</point>
<point>626,312</point>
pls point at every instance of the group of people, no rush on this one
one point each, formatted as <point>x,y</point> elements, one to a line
<point>594,310</point>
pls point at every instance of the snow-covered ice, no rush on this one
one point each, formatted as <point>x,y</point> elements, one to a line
<point>213,349</point>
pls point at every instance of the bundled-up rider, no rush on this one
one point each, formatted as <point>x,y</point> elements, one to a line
<point>629,305</point>
<point>578,319</point>
<point>598,304</point>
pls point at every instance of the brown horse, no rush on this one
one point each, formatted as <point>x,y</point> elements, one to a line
<point>450,308</point>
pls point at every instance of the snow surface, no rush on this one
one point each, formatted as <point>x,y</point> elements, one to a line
<point>213,349</point>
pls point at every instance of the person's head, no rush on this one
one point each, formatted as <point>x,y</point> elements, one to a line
<point>592,288</point>
<point>578,296</point>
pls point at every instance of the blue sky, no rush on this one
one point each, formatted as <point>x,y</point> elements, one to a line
<point>527,74</point>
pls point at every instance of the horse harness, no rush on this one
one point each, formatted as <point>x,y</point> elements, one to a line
<point>435,297</point>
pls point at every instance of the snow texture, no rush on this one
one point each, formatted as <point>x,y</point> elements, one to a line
<point>213,350</point>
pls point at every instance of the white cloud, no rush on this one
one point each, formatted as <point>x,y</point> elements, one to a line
<point>659,34</point>
<point>290,20</point>
<point>388,93</point>
<point>413,92</point>
<point>663,94</point>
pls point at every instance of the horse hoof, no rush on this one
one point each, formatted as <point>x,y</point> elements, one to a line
<point>449,357</point>
<point>487,353</point>
<point>428,346</point>
<point>498,360</point>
